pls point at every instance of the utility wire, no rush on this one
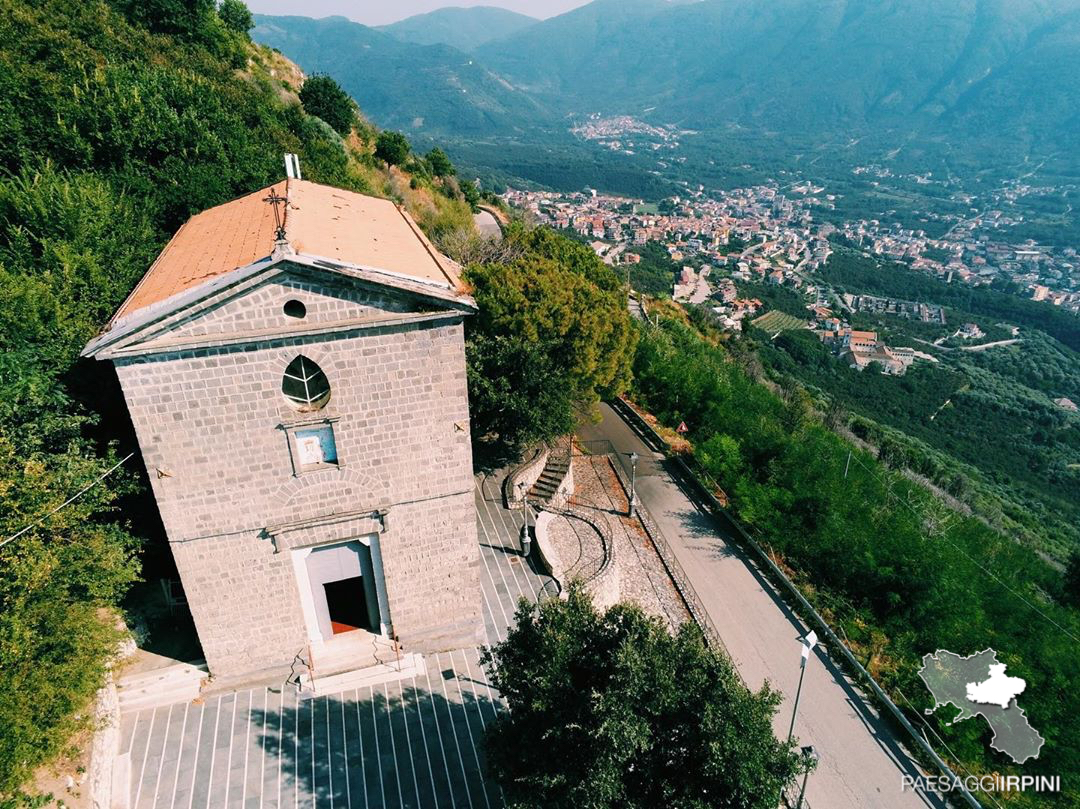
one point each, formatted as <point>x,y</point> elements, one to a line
<point>69,501</point>
<point>957,761</point>
<point>976,562</point>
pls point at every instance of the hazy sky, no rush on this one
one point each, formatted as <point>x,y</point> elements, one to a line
<point>380,12</point>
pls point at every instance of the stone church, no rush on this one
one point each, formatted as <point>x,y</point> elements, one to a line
<point>294,366</point>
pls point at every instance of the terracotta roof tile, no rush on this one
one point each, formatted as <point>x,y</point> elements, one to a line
<point>320,221</point>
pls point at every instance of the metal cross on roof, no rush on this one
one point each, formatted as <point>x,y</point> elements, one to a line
<point>279,214</point>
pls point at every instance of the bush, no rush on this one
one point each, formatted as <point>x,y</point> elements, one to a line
<point>439,163</point>
<point>324,98</point>
<point>392,148</point>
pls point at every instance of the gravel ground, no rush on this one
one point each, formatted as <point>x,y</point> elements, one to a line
<point>643,580</point>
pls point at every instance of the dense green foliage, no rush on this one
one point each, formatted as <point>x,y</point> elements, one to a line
<point>898,571</point>
<point>392,148</point>
<point>236,16</point>
<point>957,410</point>
<point>324,98</point>
<point>1071,581</point>
<point>655,273</point>
<point>610,711</point>
<point>776,298</point>
<point>110,136</point>
<point>553,333</point>
<point>961,406</point>
<point>439,163</point>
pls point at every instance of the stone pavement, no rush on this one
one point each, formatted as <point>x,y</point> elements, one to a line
<point>411,743</point>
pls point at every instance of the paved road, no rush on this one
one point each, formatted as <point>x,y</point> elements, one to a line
<point>487,224</point>
<point>861,763</point>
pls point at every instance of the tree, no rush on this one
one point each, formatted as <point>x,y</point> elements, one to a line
<point>187,19</point>
<point>324,98</point>
<point>440,163</point>
<point>471,194</point>
<point>1071,581</point>
<point>610,710</point>
<point>560,314</point>
<point>392,148</point>
<point>236,16</point>
<point>512,397</point>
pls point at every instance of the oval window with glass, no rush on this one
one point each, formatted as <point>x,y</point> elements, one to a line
<point>305,385</point>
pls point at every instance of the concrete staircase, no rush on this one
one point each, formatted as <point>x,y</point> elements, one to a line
<point>551,479</point>
<point>410,665</point>
<point>150,689</point>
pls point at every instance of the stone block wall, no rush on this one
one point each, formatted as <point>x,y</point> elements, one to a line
<point>213,428</point>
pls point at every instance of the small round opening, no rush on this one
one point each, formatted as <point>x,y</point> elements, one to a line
<point>295,309</point>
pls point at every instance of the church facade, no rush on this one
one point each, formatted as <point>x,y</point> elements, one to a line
<point>294,367</point>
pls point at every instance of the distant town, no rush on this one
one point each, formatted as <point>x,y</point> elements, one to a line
<point>760,235</point>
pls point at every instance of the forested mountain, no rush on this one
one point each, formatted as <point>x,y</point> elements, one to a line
<point>402,85</point>
<point>461,28</point>
<point>825,65</point>
<point>973,82</point>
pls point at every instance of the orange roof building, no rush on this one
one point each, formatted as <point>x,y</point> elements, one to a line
<point>293,364</point>
<point>319,221</point>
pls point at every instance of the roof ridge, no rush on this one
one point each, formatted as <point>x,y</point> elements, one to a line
<point>435,255</point>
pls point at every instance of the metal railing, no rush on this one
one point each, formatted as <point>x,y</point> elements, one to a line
<point>809,613</point>
<point>675,571</point>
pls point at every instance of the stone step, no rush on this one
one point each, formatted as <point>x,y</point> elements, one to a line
<point>164,686</point>
<point>349,652</point>
<point>411,665</point>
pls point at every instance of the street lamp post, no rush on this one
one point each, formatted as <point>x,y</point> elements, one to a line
<point>808,643</point>
<point>810,760</point>
<point>526,538</point>
<point>633,483</point>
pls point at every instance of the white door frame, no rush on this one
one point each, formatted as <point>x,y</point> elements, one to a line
<point>307,598</point>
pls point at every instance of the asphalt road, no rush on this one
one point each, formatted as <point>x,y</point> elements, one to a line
<point>487,224</point>
<point>861,764</point>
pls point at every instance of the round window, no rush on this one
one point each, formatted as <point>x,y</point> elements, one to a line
<point>305,385</point>
<point>295,309</point>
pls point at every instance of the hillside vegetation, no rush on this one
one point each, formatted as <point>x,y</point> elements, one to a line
<point>982,426</point>
<point>900,572</point>
<point>111,135</point>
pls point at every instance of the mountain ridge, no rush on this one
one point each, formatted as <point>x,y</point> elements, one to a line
<point>461,28</point>
<point>403,85</point>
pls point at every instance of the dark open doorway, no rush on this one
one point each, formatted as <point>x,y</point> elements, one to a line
<point>347,605</point>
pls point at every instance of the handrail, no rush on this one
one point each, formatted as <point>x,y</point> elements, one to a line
<point>651,435</point>
<point>564,507</point>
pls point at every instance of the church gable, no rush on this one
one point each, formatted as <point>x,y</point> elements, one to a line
<point>294,297</point>
<point>295,301</point>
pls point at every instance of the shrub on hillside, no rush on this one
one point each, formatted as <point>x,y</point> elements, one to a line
<point>324,98</point>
